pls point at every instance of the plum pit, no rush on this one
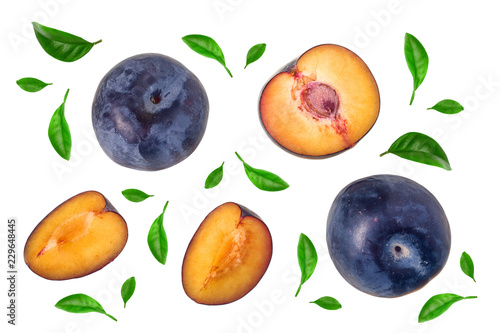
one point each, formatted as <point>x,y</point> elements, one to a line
<point>229,254</point>
<point>320,100</point>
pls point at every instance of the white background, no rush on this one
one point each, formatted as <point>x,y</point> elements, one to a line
<point>461,39</point>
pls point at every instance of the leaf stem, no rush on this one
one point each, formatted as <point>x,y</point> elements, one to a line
<point>95,43</point>
<point>412,97</point>
<point>110,316</point>
<point>239,157</point>
<point>228,71</point>
<point>298,290</point>
<point>384,153</point>
<point>165,207</point>
<point>66,96</point>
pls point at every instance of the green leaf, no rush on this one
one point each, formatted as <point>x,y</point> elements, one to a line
<point>420,148</point>
<point>417,61</point>
<point>328,303</point>
<point>207,47</point>
<point>447,106</point>
<point>215,177</point>
<point>81,303</point>
<point>255,53</point>
<point>307,257</point>
<point>262,179</point>
<point>157,239</point>
<point>467,265</point>
<point>30,84</point>
<point>59,134</point>
<point>135,195</point>
<point>437,305</point>
<point>127,290</point>
<point>62,45</point>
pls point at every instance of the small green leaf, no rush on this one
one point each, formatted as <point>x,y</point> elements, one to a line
<point>307,258</point>
<point>157,239</point>
<point>215,177</point>
<point>437,305</point>
<point>328,303</point>
<point>30,84</point>
<point>467,265</point>
<point>417,61</point>
<point>447,106</point>
<point>255,53</point>
<point>127,290</point>
<point>81,303</point>
<point>135,195</point>
<point>59,134</point>
<point>206,47</point>
<point>262,179</point>
<point>419,148</point>
<point>62,45</point>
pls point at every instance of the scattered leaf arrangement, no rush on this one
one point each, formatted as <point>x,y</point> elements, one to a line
<point>157,241</point>
<point>421,148</point>
<point>438,304</point>
<point>262,179</point>
<point>81,303</point>
<point>433,308</point>
<point>157,237</point>
<point>414,146</point>
<point>65,47</point>
<point>308,259</point>
<point>209,48</point>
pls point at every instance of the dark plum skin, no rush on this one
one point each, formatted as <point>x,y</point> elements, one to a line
<point>387,235</point>
<point>149,112</point>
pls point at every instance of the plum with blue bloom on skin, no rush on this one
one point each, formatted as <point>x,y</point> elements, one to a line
<point>387,235</point>
<point>149,112</point>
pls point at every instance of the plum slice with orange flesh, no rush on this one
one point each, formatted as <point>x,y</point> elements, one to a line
<point>321,104</point>
<point>79,237</point>
<point>227,256</point>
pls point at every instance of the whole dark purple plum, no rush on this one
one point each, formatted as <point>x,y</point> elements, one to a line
<point>387,235</point>
<point>149,112</point>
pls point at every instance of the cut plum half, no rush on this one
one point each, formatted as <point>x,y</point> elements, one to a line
<point>79,237</point>
<point>227,256</point>
<point>320,104</point>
